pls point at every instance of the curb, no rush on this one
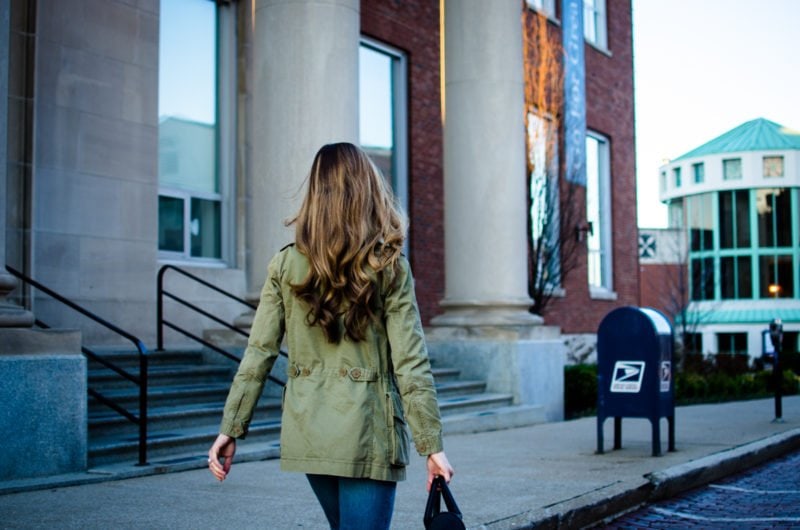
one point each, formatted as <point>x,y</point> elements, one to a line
<point>596,507</point>
<point>677,479</point>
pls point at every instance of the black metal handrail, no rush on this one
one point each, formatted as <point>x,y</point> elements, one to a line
<point>141,380</point>
<point>163,322</point>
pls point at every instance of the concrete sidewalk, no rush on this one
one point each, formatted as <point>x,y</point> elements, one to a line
<point>545,476</point>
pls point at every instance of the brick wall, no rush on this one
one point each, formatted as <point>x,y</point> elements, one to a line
<point>413,27</point>
<point>661,287</point>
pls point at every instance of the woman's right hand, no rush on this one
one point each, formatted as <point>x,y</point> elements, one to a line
<point>223,447</point>
<point>439,465</point>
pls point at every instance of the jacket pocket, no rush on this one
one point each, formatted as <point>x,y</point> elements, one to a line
<point>398,432</point>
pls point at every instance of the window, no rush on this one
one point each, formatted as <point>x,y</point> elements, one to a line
<point>736,278</point>
<point>676,173</point>
<point>196,54</point>
<point>545,7</point>
<point>732,343</point>
<point>702,278</point>
<point>662,181</point>
<point>693,342</point>
<point>675,214</point>
<point>699,173</point>
<point>790,342</point>
<point>774,210</point>
<point>542,138</point>
<point>598,212</point>
<point>700,225</point>
<point>732,169</point>
<point>776,280</point>
<point>594,22</point>
<point>734,219</point>
<point>382,113</point>
<point>773,166</point>
<point>700,222</point>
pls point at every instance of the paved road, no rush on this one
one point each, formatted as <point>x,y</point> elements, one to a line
<point>764,497</point>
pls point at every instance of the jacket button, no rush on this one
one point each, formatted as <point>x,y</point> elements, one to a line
<point>294,371</point>
<point>343,372</point>
<point>305,372</point>
<point>356,373</point>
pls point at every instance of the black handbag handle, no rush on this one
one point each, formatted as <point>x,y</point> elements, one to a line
<point>439,489</point>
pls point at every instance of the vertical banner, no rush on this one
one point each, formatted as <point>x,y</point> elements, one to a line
<point>574,92</point>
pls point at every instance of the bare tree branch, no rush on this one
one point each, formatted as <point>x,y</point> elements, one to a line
<point>557,205</point>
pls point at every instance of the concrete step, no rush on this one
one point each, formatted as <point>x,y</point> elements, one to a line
<point>125,358</point>
<point>493,419</point>
<point>442,374</point>
<point>106,424</point>
<point>473,403</point>
<point>166,375</point>
<point>459,388</point>
<point>188,442</point>
<point>174,395</point>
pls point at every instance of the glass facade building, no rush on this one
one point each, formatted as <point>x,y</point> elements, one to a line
<point>740,214</point>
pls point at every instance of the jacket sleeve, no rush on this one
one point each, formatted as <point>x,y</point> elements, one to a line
<point>411,364</point>
<point>262,349</point>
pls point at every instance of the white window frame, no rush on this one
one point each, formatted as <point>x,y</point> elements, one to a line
<point>400,171</point>
<point>699,172</point>
<point>728,164</point>
<point>545,7</point>
<point>595,24</point>
<point>602,286</point>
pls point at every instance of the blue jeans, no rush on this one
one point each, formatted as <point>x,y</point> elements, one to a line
<point>354,503</point>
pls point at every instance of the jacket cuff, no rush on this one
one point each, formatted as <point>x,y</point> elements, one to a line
<point>233,429</point>
<point>428,445</point>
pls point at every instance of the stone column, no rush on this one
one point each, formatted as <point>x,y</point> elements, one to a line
<point>305,94</point>
<point>11,315</point>
<point>484,167</point>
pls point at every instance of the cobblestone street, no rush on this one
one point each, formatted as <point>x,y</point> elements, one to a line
<point>764,497</point>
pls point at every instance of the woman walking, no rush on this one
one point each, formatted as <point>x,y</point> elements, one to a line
<point>343,298</point>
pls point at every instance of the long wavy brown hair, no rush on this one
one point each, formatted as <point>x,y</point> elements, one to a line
<point>351,230</point>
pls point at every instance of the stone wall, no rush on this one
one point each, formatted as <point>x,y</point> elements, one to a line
<point>44,412</point>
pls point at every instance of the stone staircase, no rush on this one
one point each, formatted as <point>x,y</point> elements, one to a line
<point>187,393</point>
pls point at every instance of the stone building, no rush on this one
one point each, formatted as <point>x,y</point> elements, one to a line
<point>144,133</point>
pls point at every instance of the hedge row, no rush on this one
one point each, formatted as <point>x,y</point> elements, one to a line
<point>580,387</point>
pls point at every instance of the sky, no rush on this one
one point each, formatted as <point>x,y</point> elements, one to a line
<point>703,67</point>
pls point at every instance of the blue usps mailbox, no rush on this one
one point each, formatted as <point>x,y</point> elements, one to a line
<point>634,372</point>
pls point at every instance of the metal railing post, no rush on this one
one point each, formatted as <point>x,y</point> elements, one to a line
<point>160,310</point>
<point>143,386</point>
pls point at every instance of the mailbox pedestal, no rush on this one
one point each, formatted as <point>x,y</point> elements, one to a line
<point>634,372</point>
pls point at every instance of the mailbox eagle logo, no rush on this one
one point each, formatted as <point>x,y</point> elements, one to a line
<point>628,376</point>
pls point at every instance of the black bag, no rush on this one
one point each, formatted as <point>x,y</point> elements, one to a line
<point>435,519</point>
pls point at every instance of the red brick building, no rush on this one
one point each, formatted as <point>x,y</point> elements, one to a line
<point>609,116</point>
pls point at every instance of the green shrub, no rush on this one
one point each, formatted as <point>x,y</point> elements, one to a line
<point>580,386</point>
<point>690,387</point>
<point>697,363</point>
<point>580,390</point>
<point>732,363</point>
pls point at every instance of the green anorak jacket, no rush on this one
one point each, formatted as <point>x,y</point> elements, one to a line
<point>345,405</point>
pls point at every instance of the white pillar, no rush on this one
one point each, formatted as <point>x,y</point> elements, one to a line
<point>305,94</point>
<point>484,166</point>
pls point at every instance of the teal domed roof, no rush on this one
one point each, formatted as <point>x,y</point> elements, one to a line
<point>755,135</point>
